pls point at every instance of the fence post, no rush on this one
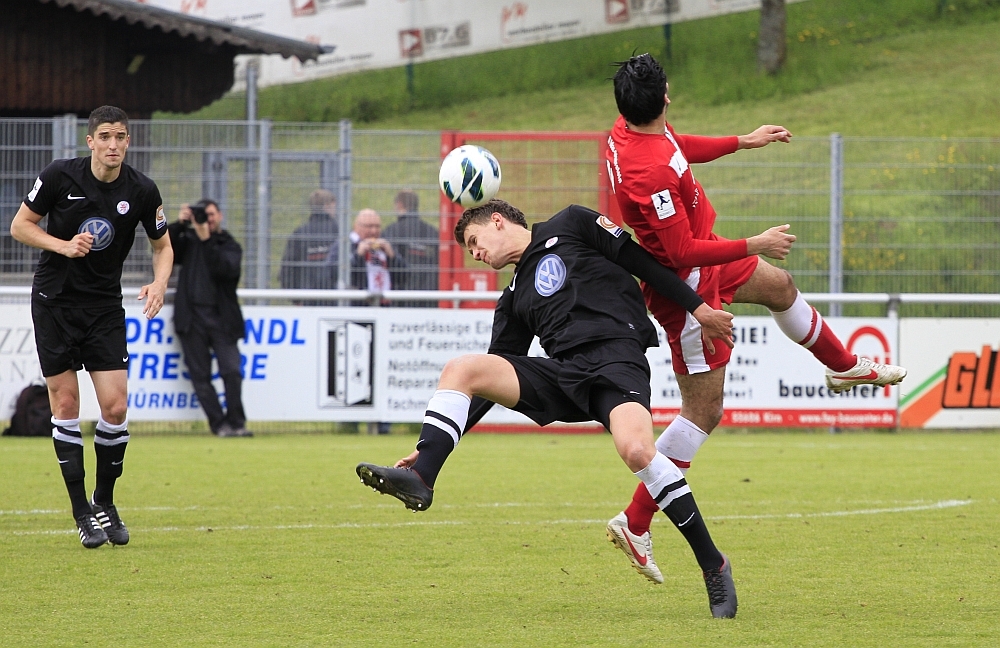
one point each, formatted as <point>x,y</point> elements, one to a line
<point>264,205</point>
<point>344,207</point>
<point>836,218</point>
<point>64,137</point>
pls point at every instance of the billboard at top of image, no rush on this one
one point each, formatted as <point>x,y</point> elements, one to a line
<point>369,34</point>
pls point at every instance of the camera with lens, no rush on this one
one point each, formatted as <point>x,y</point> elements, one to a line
<point>198,212</point>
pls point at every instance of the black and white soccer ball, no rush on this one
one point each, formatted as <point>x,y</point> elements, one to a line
<point>469,176</point>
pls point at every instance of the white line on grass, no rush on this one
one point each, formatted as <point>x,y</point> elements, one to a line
<point>387,525</point>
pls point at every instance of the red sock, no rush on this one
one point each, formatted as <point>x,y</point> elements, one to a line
<point>641,510</point>
<point>829,350</point>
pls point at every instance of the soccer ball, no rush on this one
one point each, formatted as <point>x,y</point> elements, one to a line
<point>469,176</point>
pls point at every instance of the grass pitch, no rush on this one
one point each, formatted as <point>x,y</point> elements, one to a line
<point>846,540</point>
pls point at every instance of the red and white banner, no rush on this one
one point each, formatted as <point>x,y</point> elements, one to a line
<point>369,34</point>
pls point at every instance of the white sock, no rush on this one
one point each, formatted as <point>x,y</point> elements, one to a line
<point>663,480</point>
<point>70,425</point>
<point>109,434</point>
<point>449,410</point>
<point>801,322</point>
<point>680,442</point>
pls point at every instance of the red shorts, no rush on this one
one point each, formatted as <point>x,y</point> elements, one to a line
<point>714,284</point>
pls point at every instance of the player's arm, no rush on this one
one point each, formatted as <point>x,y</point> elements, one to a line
<point>683,250</point>
<point>715,324</point>
<point>25,228</point>
<point>699,149</point>
<point>163,264</point>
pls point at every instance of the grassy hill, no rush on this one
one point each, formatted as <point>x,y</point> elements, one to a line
<point>895,67</point>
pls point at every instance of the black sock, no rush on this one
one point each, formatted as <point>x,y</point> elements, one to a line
<point>70,456</point>
<point>434,445</point>
<point>109,446</point>
<point>684,513</point>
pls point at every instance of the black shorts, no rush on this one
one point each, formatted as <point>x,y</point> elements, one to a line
<point>73,338</point>
<point>584,386</point>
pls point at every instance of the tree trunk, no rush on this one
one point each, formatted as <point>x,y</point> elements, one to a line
<point>771,42</point>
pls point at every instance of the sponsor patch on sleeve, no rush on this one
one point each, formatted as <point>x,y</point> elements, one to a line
<point>663,204</point>
<point>610,226</point>
<point>34,190</point>
<point>161,218</point>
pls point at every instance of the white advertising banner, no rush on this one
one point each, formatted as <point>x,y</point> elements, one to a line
<point>953,380</point>
<point>773,382</point>
<point>383,364</point>
<point>371,34</point>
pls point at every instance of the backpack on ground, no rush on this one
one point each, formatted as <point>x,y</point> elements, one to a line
<point>32,413</point>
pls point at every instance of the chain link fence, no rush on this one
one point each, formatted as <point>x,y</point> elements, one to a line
<point>871,214</point>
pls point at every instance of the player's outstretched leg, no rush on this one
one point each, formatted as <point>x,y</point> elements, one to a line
<point>805,326</point>
<point>444,423</point>
<point>638,548</point>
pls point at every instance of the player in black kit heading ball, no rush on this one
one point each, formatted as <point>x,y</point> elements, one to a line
<point>573,287</point>
<point>94,205</point>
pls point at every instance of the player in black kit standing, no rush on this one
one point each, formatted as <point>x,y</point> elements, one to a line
<point>94,205</point>
<point>573,287</point>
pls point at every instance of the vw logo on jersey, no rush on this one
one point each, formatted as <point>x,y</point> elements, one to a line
<point>550,275</point>
<point>123,207</point>
<point>102,229</point>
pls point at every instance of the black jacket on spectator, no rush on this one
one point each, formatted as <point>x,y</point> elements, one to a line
<point>417,242</point>
<point>310,258</point>
<point>210,272</point>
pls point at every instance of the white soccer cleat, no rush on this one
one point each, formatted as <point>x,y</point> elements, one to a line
<point>639,549</point>
<point>865,372</point>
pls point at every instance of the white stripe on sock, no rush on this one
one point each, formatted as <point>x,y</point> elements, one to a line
<point>453,405</point>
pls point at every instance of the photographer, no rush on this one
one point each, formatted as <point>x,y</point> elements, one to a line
<point>207,315</point>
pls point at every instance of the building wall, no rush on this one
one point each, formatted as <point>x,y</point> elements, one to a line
<point>58,60</point>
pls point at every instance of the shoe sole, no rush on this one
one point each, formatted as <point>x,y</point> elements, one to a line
<point>620,543</point>
<point>848,383</point>
<point>118,542</point>
<point>385,487</point>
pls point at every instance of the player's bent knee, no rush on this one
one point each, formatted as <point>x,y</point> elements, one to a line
<point>115,413</point>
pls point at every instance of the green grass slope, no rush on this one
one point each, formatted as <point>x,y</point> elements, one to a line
<point>899,67</point>
<point>856,540</point>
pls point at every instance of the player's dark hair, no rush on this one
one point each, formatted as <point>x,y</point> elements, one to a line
<point>106,115</point>
<point>640,84</point>
<point>481,215</point>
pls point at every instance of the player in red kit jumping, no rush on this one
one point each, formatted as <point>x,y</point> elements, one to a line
<point>664,204</point>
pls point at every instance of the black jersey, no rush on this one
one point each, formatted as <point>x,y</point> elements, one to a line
<point>568,291</point>
<point>75,201</point>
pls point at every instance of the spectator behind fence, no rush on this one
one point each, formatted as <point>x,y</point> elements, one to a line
<point>417,243</point>
<point>207,315</point>
<point>310,259</point>
<point>375,265</point>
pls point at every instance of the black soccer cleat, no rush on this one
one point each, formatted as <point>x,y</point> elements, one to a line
<point>92,534</point>
<point>402,483</point>
<point>721,591</point>
<point>113,526</point>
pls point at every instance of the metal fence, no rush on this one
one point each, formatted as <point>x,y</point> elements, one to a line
<point>885,215</point>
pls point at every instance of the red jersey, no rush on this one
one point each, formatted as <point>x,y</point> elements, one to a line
<point>661,200</point>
